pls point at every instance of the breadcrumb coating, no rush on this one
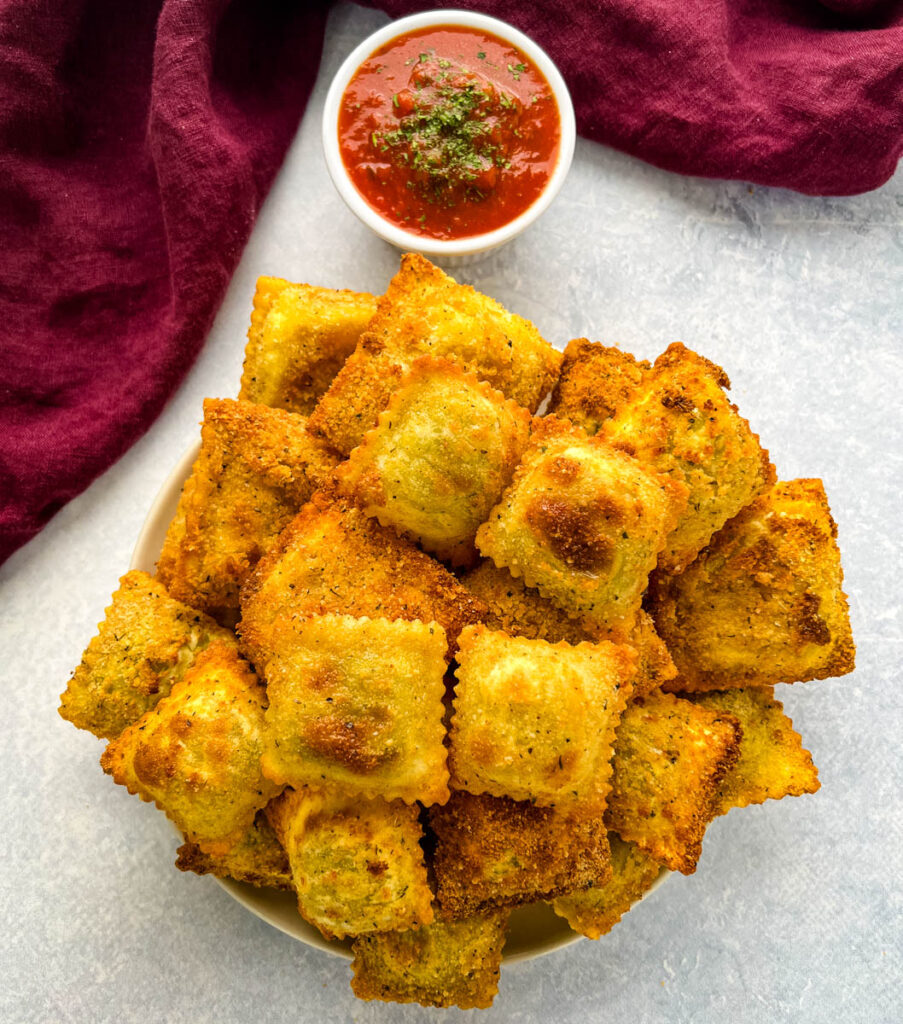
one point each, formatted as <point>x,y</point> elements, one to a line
<point>764,602</point>
<point>595,911</point>
<point>145,645</point>
<point>196,755</point>
<point>536,721</point>
<point>492,851</point>
<point>425,312</point>
<point>356,704</point>
<point>447,963</point>
<point>773,763</point>
<point>439,458</point>
<point>299,338</point>
<point>357,865</point>
<point>332,558</point>
<point>256,468</point>
<point>669,759</point>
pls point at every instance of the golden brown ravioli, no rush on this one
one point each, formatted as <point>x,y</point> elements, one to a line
<point>356,864</point>
<point>196,755</point>
<point>257,858</point>
<point>447,963</point>
<point>298,340</point>
<point>256,468</point>
<point>679,421</point>
<point>145,644</point>
<point>773,763</point>
<point>764,602</point>
<point>535,721</point>
<point>356,704</point>
<point>334,559</point>
<point>425,312</point>
<point>439,458</point>
<point>595,911</point>
<point>582,523</point>
<point>670,757</point>
<point>491,851</point>
<point>521,611</point>
<point>595,382</point>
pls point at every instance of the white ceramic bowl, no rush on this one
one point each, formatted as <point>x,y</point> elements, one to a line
<point>405,240</point>
<point>533,931</point>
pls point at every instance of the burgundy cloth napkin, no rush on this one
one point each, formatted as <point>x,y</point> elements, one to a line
<point>138,139</point>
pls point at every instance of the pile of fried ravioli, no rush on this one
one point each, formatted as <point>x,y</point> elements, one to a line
<point>420,656</point>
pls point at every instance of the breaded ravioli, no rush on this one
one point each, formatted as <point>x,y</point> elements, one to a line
<point>764,602</point>
<point>679,421</point>
<point>334,559</point>
<point>669,759</point>
<point>582,523</point>
<point>425,312</point>
<point>256,468</point>
<point>492,851</point>
<point>773,763</point>
<point>447,963</point>
<point>356,704</point>
<point>536,721</point>
<point>654,664</point>
<point>143,647</point>
<point>438,459</point>
<point>257,858</point>
<point>595,911</point>
<point>357,865</point>
<point>596,381</point>
<point>519,610</point>
<point>299,337</point>
<point>196,755</point>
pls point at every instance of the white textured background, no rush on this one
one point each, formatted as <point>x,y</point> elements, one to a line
<point>796,911</point>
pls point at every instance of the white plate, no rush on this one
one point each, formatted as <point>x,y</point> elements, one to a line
<point>533,930</point>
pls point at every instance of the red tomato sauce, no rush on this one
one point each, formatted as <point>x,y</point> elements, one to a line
<point>449,132</point>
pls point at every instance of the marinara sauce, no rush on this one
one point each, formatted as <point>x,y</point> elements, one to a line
<point>449,132</point>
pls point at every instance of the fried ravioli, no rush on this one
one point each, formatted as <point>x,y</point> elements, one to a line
<point>521,611</point>
<point>680,422</point>
<point>764,602</point>
<point>356,704</point>
<point>773,763</point>
<point>447,963</point>
<point>298,340</point>
<point>334,559</point>
<point>491,851</point>
<point>596,382</point>
<point>196,755</point>
<point>582,523</point>
<point>535,721</point>
<point>669,759</point>
<point>439,458</point>
<point>425,312</point>
<point>143,647</point>
<point>595,911</point>
<point>257,858</point>
<point>356,865</point>
<point>256,469</point>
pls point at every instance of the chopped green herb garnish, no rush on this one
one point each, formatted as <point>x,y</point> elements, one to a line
<point>450,138</point>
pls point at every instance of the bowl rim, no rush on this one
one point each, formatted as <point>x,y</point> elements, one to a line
<point>278,908</point>
<point>472,244</point>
